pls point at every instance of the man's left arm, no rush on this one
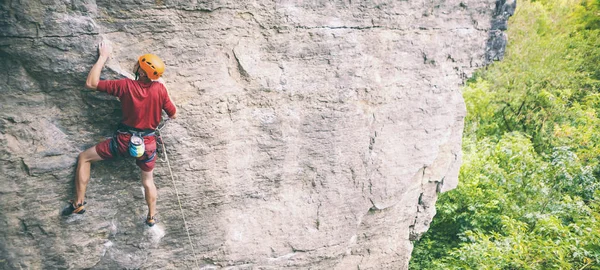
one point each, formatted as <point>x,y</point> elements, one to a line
<point>93,77</point>
<point>168,105</point>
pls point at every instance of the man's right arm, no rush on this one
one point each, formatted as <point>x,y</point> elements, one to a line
<point>94,75</point>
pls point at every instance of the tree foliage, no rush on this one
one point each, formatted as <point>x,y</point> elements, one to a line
<point>529,194</point>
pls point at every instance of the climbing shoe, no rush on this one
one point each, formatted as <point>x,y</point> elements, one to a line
<point>151,220</point>
<point>74,209</point>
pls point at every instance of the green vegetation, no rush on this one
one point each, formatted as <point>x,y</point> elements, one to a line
<point>529,192</point>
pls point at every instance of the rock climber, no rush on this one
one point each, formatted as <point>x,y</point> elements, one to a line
<point>142,102</point>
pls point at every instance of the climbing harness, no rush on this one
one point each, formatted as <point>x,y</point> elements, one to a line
<point>158,130</point>
<point>136,147</point>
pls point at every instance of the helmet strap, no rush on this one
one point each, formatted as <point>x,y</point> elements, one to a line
<point>137,73</point>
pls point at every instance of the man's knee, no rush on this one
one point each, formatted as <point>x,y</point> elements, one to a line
<point>83,157</point>
<point>89,155</point>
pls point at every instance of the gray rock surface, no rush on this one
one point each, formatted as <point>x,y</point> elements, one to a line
<point>497,41</point>
<point>311,134</point>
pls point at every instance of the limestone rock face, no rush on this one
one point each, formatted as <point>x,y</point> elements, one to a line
<point>310,134</point>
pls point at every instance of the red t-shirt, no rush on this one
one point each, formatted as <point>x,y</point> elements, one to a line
<point>141,102</point>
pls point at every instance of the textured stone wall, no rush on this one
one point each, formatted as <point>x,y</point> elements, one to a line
<point>311,134</point>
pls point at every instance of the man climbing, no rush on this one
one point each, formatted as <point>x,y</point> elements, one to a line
<point>142,101</point>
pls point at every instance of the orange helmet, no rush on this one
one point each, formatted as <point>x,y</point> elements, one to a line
<point>152,65</point>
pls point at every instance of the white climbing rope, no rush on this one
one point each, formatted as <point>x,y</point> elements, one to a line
<point>177,193</point>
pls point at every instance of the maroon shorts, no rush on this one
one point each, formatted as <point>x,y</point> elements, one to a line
<point>146,165</point>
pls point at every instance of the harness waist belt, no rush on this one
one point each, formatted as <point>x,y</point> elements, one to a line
<point>122,128</point>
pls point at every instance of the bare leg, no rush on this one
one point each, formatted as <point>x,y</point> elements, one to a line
<point>149,191</point>
<point>82,177</point>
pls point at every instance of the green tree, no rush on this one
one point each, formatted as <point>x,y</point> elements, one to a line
<point>528,196</point>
